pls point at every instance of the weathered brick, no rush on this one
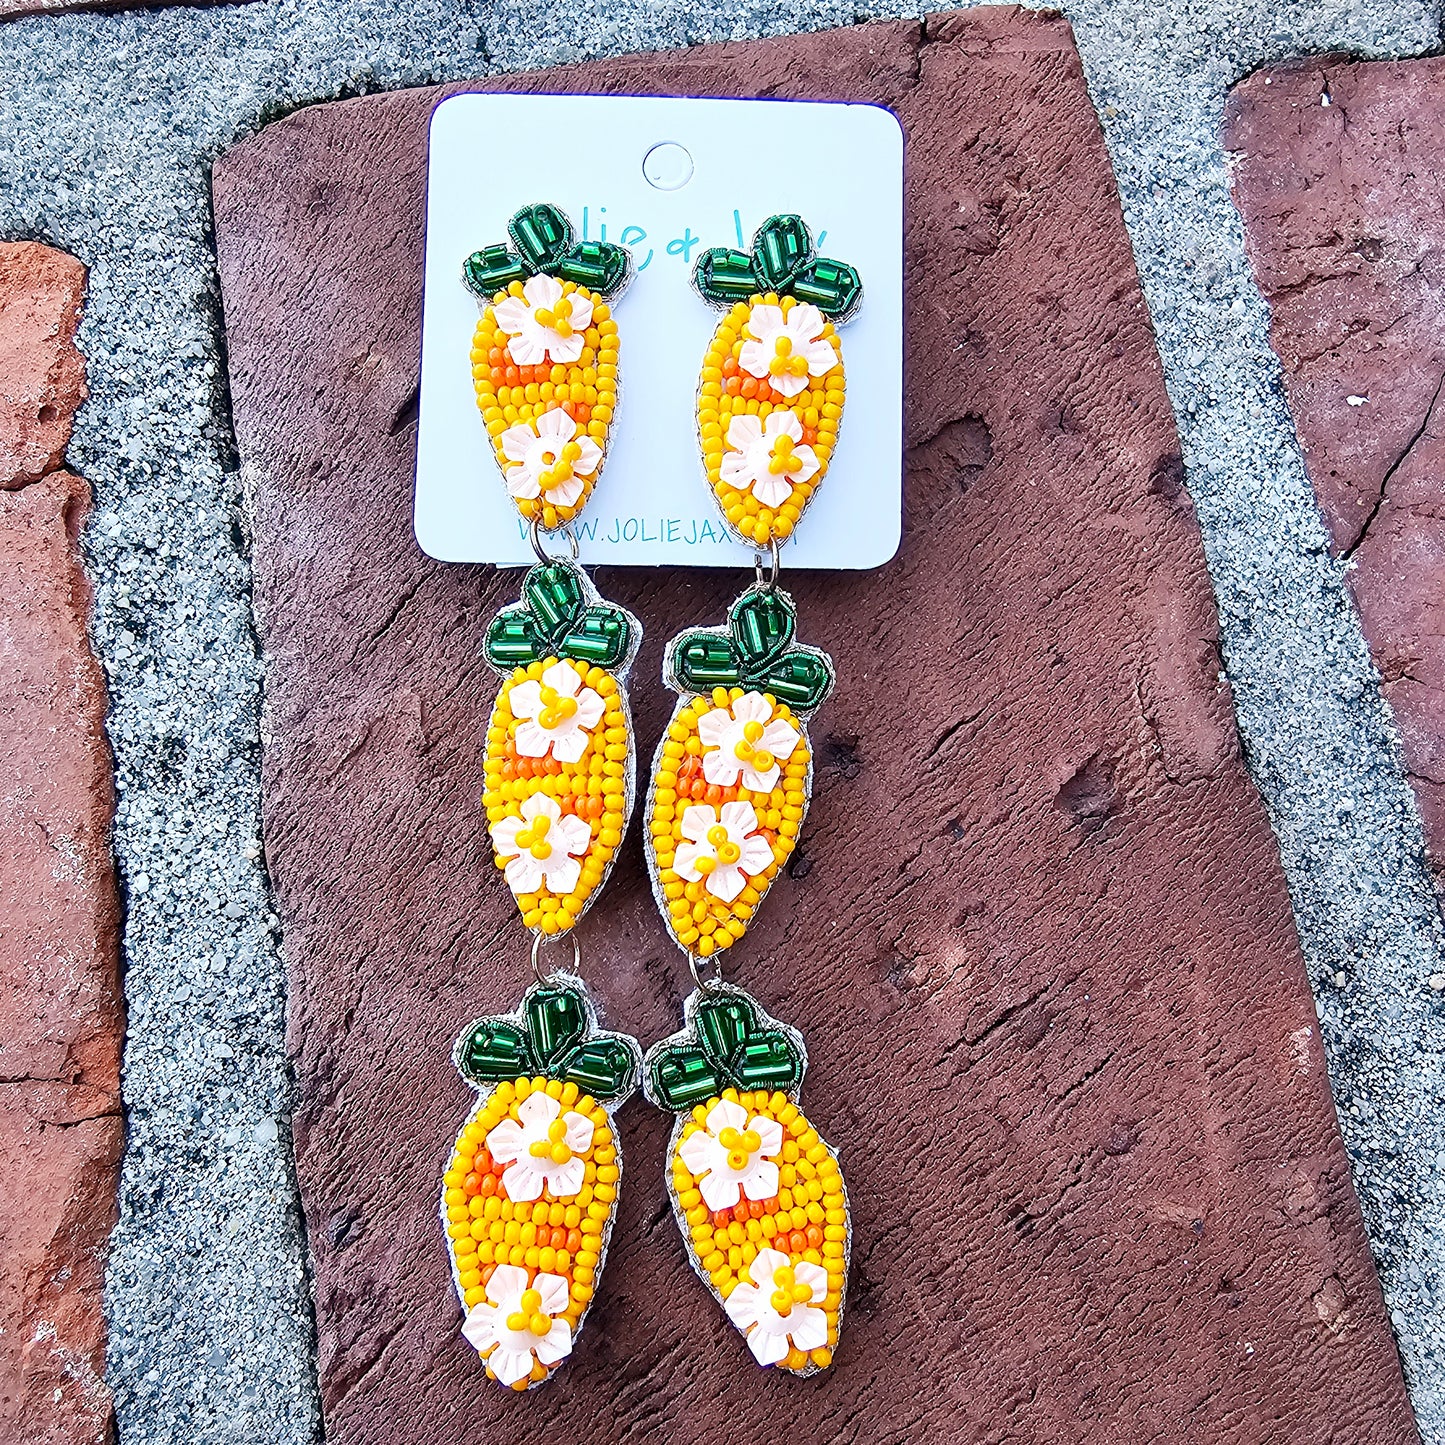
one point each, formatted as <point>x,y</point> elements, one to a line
<point>1343,197</point>
<point>60,1011</point>
<point>42,375</point>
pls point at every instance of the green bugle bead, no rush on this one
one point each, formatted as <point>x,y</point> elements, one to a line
<point>541,233</point>
<point>767,1061</point>
<point>496,1051</point>
<point>492,269</point>
<point>555,594</point>
<point>706,661</point>
<point>723,1024</point>
<point>682,1079</point>
<point>556,1020</point>
<point>782,245</point>
<point>834,287</point>
<point>762,625</point>
<point>511,640</point>
<point>603,1068</point>
<point>722,275</point>
<point>601,637</point>
<point>800,679</point>
<point>598,265</point>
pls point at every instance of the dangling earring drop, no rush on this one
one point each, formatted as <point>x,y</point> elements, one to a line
<point>758,1194</point>
<point>531,1185</point>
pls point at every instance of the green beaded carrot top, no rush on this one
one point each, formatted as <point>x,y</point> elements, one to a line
<point>556,1036</point>
<point>782,260</point>
<point>556,619</point>
<point>728,1043</point>
<point>545,243</point>
<point>754,650</point>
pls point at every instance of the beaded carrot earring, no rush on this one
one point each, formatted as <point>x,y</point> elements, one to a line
<point>758,1195</point>
<point>531,1185</point>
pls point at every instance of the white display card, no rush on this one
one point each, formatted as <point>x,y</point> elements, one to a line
<point>668,179</point>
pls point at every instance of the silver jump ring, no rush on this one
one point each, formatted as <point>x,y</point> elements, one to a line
<point>537,973</point>
<point>697,977</point>
<point>534,534</point>
<point>772,581</point>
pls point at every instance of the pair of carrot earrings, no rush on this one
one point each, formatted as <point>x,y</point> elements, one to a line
<point>531,1186</point>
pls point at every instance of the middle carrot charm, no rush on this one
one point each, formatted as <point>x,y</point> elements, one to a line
<point>734,773</point>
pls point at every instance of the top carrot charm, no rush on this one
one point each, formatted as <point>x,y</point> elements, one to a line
<point>544,359</point>
<point>771,394</point>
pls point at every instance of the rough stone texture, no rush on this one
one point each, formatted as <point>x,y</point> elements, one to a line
<point>1099,1161</point>
<point>1338,178</point>
<point>60,1020</point>
<point>42,375</point>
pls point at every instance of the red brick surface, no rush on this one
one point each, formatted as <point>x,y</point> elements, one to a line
<point>1339,180</point>
<point>42,375</point>
<point>60,1018</point>
<point>1041,948</point>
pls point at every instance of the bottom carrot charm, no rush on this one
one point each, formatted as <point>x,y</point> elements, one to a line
<point>531,1186</point>
<point>758,1195</point>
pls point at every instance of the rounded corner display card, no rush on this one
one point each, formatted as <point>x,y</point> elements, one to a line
<point>663,178</point>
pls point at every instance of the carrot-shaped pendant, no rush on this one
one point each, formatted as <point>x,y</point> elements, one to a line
<point>733,774</point>
<point>531,1187</point>
<point>560,764</point>
<point>757,1193</point>
<point>770,398</point>
<point>544,359</point>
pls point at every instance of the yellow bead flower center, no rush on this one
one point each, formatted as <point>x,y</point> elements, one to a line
<point>533,840</point>
<point>784,362</point>
<point>741,1146</point>
<point>784,463</point>
<point>554,1146</point>
<point>746,749</point>
<point>529,1315</point>
<point>557,466</point>
<point>727,851</point>
<point>787,1291</point>
<point>556,708</point>
<point>556,318</point>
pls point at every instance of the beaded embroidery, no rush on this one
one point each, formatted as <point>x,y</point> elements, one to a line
<point>544,359</point>
<point>530,1191</point>
<point>770,398</point>
<point>758,1194</point>
<point>530,1188</point>
<point>733,774</point>
<point>560,765</point>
